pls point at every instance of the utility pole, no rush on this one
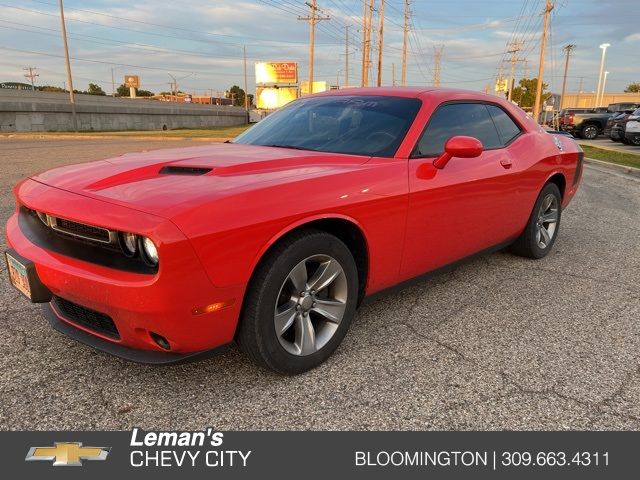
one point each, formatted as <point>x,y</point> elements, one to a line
<point>515,48</point>
<point>437,61</point>
<point>367,17</point>
<point>113,84</point>
<point>174,87</point>
<point>346,55</point>
<point>364,42</point>
<point>550,4</point>
<point>246,93</point>
<point>380,43</point>
<point>568,49</point>
<point>312,19</point>
<point>405,35</point>
<point>393,74</point>
<point>72,99</point>
<point>31,75</point>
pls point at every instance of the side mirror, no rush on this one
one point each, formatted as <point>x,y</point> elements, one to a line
<point>460,146</point>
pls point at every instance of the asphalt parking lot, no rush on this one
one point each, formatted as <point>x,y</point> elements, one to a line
<point>500,343</point>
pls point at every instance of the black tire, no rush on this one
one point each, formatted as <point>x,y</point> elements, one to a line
<point>635,141</point>
<point>527,244</point>
<point>256,334</point>
<point>589,131</point>
<point>624,140</point>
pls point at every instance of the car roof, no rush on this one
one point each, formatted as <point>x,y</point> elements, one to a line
<point>409,92</point>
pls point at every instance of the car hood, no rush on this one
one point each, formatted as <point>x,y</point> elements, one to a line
<point>166,182</point>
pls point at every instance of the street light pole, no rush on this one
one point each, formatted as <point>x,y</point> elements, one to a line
<point>604,47</point>
<point>604,85</point>
<point>72,99</point>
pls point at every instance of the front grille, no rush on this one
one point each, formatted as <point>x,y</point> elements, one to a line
<point>81,230</point>
<point>85,317</point>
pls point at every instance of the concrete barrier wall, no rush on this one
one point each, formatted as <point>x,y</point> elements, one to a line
<point>27,111</point>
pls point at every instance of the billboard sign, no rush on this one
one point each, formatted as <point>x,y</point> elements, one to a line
<point>132,81</point>
<point>15,86</point>
<point>269,73</point>
<point>270,98</point>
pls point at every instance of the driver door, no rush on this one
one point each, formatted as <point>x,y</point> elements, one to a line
<point>470,204</point>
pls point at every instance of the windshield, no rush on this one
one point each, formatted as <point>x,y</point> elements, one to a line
<point>358,125</point>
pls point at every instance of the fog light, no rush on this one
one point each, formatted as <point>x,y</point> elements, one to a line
<point>129,243</point>
<point>161,341</point>
<point>150,251</point>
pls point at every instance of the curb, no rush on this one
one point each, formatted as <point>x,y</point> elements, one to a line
<point>614,166</point>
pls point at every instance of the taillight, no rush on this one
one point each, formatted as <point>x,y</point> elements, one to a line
<point>570,118</point>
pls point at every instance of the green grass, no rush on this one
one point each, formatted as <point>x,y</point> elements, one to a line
<point>619,158</point>
<point>219,132</point>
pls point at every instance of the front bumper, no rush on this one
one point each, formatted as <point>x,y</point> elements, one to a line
<point>139,304</point>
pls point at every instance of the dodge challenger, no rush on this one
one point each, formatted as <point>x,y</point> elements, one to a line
<point>273,239</point>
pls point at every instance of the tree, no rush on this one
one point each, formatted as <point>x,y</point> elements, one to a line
<point>50,88</point>
<point>123,91</point>
<point>633,88</point>
<point>236,94</point>
<point>95,90</point>
<point>525,93</point>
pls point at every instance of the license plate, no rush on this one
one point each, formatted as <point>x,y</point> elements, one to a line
<point>18,275</point>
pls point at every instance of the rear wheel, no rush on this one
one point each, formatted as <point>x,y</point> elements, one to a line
<point>589,132</point>
<point>542,228</point>
<point>300,303</point>
<point>635,140</point>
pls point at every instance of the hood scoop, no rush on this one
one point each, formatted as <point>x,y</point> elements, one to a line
<point>180,170</point>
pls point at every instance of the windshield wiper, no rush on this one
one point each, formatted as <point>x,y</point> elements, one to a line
<point>292,147</point>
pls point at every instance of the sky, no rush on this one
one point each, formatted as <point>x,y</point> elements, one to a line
<point>200,43</point>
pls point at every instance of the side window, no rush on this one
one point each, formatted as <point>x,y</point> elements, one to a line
<point>507,129</point>
<point>470,119</point>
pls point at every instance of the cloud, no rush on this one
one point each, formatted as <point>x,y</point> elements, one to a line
<point>634,37</point>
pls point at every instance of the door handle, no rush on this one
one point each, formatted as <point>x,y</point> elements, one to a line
<point>506,163</point>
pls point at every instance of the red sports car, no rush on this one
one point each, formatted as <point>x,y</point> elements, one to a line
<point>273,239</point>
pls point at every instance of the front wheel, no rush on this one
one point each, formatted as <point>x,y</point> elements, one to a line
<point>635,140</point>
<point>300,303</point>
<point>542,228</point>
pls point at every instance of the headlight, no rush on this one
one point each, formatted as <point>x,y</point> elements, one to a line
<point>150,251</point>
<point>129,243</point>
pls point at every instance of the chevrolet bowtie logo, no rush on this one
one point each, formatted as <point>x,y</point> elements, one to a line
<point>67,454</point>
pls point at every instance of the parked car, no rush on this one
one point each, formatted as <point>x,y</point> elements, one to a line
<point>609,125</point>
<point>591,124</point>
<point>632,129</point>
<point>617,126</point>
<point>273,239</point>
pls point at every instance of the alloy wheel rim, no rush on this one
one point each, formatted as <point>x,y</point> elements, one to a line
<point>547,221</point>
<point>311,304</point>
